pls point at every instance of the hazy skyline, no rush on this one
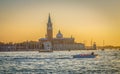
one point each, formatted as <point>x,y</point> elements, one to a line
<point>99,20</point>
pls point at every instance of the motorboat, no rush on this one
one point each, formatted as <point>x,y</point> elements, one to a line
<point>92,55</point>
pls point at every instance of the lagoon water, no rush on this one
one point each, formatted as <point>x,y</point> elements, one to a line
<point>59,62</point>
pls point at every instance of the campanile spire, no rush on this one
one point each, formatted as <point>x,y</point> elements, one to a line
<point>49,19</point>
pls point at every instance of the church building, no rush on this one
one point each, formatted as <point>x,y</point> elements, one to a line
<point>59,42</point>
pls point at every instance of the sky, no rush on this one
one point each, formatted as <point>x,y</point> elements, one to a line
<point>85,20</point>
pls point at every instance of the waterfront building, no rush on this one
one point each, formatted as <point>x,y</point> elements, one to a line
<point>59,42</point>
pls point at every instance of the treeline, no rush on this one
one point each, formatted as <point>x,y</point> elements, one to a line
<point>23,46</point>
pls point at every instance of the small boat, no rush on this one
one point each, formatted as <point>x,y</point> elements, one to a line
<point>45,50</point>
<point>92,55</point>
<point>103,49</point>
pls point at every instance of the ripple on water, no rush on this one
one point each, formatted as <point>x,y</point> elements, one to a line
<point>61,62</point>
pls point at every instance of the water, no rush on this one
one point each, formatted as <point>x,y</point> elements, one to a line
<point>59,62</point>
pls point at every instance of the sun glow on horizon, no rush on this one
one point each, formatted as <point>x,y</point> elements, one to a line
<point>84,20</point>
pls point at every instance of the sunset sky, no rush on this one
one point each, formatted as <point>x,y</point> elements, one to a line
<point>85,20</point>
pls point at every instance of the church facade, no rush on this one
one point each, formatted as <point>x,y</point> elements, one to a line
<point>59,42</point>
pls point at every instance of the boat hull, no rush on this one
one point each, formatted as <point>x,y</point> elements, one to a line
<point>45,50</point>
<point>84,56</point>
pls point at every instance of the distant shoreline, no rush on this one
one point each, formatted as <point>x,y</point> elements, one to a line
<point>55,50</point>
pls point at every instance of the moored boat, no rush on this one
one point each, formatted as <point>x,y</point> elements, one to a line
<point>45,50</point>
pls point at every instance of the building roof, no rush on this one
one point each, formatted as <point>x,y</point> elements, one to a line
<point>59,35</point>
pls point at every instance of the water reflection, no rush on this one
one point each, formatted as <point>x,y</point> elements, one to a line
<point>60,62</point>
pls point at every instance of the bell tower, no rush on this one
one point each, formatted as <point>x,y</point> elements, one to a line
<point>49,29</point>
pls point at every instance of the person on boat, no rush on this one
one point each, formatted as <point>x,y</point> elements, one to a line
<point>92,53</point>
